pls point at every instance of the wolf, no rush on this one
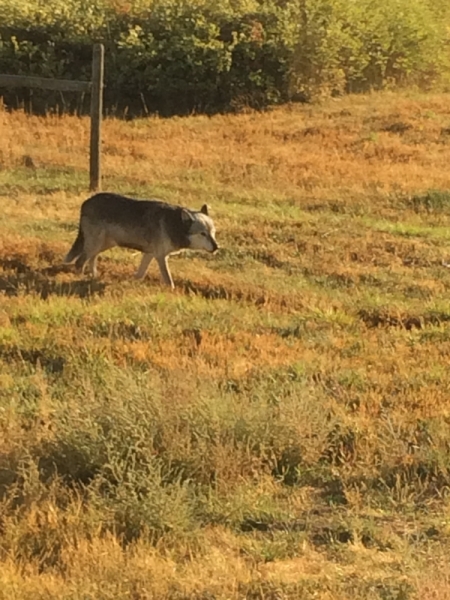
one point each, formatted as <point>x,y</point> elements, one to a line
<point>153,227</point>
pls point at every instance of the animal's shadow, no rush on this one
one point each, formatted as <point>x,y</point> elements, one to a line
<point>20,277</point>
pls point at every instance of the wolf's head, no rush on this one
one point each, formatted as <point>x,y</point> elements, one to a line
<point>200,229</point>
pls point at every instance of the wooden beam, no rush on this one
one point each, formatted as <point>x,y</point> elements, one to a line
<point>95,172</point>
<point>43,83</point>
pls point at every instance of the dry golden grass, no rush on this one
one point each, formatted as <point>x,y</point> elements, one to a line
<point>277,427</point>
<point>385,143</point>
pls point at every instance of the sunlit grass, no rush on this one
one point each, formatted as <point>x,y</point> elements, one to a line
<point>276,427</point>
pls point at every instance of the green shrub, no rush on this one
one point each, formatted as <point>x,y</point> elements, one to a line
<point>357,46</point>
<point>175,56</point>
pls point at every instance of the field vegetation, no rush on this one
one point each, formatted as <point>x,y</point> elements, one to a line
<point>278,426</point>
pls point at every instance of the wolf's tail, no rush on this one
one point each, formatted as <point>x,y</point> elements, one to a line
<point>77,247</point>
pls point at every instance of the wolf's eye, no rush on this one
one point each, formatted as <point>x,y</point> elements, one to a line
<point>203,233</point>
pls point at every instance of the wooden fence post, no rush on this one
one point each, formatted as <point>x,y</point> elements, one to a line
<point>95,172</point>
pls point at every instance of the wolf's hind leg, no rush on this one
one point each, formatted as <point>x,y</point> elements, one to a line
<point>81,262</point>
<point>92,264</point>
<point>97,243</point>
<point>164,268</point>
<point>142,269</point>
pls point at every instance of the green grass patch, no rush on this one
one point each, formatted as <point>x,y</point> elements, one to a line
<point>277,426</point>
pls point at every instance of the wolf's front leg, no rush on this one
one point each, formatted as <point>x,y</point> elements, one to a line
<point>165,273</point>
<point>142,269</point>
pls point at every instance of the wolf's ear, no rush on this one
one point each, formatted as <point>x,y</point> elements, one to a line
<point>185,215</point>
<point>204,209</point>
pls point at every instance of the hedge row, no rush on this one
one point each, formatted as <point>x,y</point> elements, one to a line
<point>180,56</point>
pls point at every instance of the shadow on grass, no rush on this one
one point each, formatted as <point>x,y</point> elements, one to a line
<point>374,318</point>
<point>49,360</point>
<point>21,277</point>
<point>220,292</point>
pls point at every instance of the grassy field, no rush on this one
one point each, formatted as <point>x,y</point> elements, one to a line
<point>278,427</point>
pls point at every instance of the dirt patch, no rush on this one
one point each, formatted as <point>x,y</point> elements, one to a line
<point>383,318</point>
<point>220,292</point>
<point>397,127</point>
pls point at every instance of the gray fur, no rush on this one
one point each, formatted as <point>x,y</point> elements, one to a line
<point>155,228</point>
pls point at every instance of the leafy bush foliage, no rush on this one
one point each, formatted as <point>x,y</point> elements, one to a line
<point>356,46</point>
<point>175,56</point>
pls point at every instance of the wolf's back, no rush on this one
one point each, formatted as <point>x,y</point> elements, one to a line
<point>114,208</point>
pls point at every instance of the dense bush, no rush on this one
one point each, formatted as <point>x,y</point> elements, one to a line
<point>179,56</point>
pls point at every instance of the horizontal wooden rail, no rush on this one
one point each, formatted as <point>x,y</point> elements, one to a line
<point>43,83</point>
<point>95,87</point>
